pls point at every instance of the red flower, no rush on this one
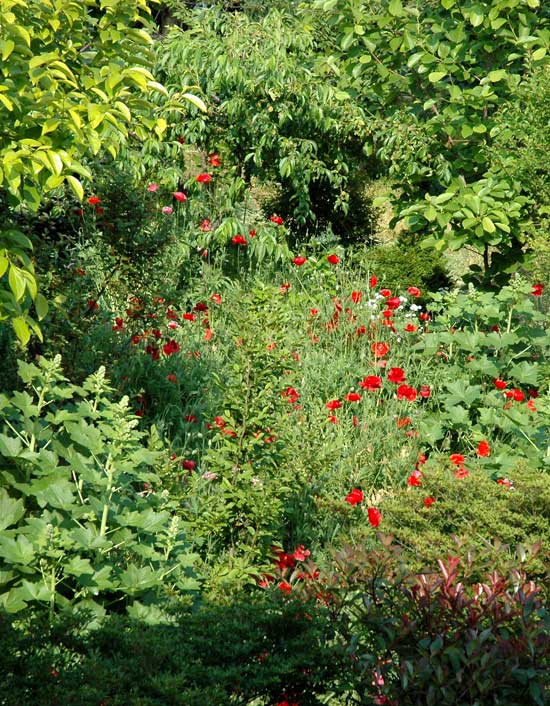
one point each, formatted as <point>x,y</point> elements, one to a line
<point>410,328</point>
<point>333,259</point>
<point>385,292</point>
<point>531,406</point>
<point>403,422</point>
<point>537,290</point>
<point>93,305</point>
<point>393,303</point>
<point>300,553</point>
<point>252,233</point>
<point>355,497</point>
<point>457,459</point>
<point>171,347</point>
<point>93,200</point>
<point>424,316</point>
<point>518,395</point>
<point>333,404</point>
<point>371,383</point>
<point>188,317</point>
<point>204,178</point>
<point>425,391</point>
<point>179,196</point>
<point>373,281</point>
<point>99,211</point>
<point>375,516</point>
<point>430,500</point>
<point>300,260</point>
<point>285,587</point>
<point>380,349</point>
<point>415,478</point>
<point>333,419</point>
<point>506,483</point>
<point>499,384</point>
<point>216,298</point>
<point>188,465</point>
<point>190,418</point>
<point>461,473</point>
<point>352,397</point>
<point>314,312</point>
<point>414,291</point>
<point>356,297</point>
<point>119,324</point>
<point>396,375</point>
<point>404,392</point>
<point>483,449</point>
<point>205,225</point>
<point>239,240</point>
<point>214,159</point>
<point>276,219</point>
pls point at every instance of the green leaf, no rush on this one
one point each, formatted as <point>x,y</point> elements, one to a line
<point>436,76</point>
<point>16,551</point>
<point>76,186</point>
<point>11,511</point>
<point>41,306</point>
<point>539,54</point>
<point>488,225</point>
<point>196,101</point>
<point>395,8</point>
<point>17,282</point>
<point>21,329</point>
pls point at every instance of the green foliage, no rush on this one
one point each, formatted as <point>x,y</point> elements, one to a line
<point>85,522</point>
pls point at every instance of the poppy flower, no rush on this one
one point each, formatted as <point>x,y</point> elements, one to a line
<point>430,500</point>
<point>371,383</point>
<point>405,392</point>
<point>375,516</point>
<point>216,298</point>
<point>204,178</point>
<point>356,297</point>
<point>483,449</point>
<point>188,465</point>
<point>537,290</point>
<point>403,422</point>
<point>188,317</point>
<point>285,587</point>
<point>252,233</point>
<point>214,159</point>
<point>355,497</point>
<point>94,200</point>
<point>380,349</point>
<point>457,459</point>
<point>461,473</point>
<point>410,328</point>
<point>352,397</point>
<point>396,375</point>
<point>119,324</point>
<point>276,219</point>
<point>385,292</point>
<point>414,291</point>
<point>205,225</point>
<point>425,391</point>
<point>373,281</point>
<point>153,187</point>
<point>171,347</point>
<point>506,483</point>
<point>190,418</point>
<point>333,404</point>
<point>531,406</point>
<point>333,259</point>
<point>415,479</point>
<point>239,240</point>
<point>393,303</point>
<point>93,305</point>
<point>179,196</point>
<point>499,384</point>
<point>167,210</point>
<point>99,211</point>
<point>300,260</point>
<point>424,316</point>
<point>301,553</point>
<point>361,330</point>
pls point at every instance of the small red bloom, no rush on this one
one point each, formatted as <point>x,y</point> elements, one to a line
<point>373,281</point>
<point>356,297</point>
<point>214,159</point>
<point>410,328</point>
<point>252,233</point>
<point>99,211</point>
<point>355,497</point>
<point>190,418</point>
<point>424,316</point>
<point>380,349</point>
<point>457,459</point>
<point>500,384</point>
<point>425,391</point>
<point>403,422</point>
<point>352,397</point>
<point>375,516</point>
<point>276,219</point>
<point>93,305</point>
<point>461,473</point>
<point>333,404</point>
<point>188,317</point>
<point>333,259</point>
<point>415,478</point>
<point>414,291</point>
<point>430,500</point>
<point>385,292</point>
<point>93,200</point>
<point>531,406</point>
<point>119,324</point>
<point>216,298</point>
<point>188,465</point>
<point>404,392</point>
<point>285,587</point>
<point>205,225</point>
<point>179,196</point>
<point>396,375</point>
<point>300,260</point>
<point>371,383</point>
<point>314,312</point>
<point>506,483</point>
<point>171,347</point>
<point>204,178</point>
<point>301,553</point>
<point>393,303</point>
<point>538,289</point>
<point>239,240</point>
<point>483,449</point>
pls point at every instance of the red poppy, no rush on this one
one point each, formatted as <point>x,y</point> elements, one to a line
<point>403,422</point>
<point>204,178</point>
<point>352,397</point>
<point>396,375</point>
<point>171,347</point>
<point>499,384</point>
<point>393,303</point>
<point>180,140</point>
<point>214,159</point>
<point>333,259</point>
<point>483,449</point>
<point>380,349</point>
<point>276,219</point>
<point>300,260</point>
<point>425,391</point>
<point>333,404</point>
<point>333,419</point>
<point>285,587</point>
<point>179,196</point>
<point>414,291</point>
<point>385,292</point>
<point>375,516</point>
<point>188,317</point>
<point>93,200</point>
<point>355,497</point>
<point>93,305</point>
<point>301,553</point>
<point>356,297</point>
<point>239,240</point>
<point>216,298</point>
<point>252,233</point>
<point>373,281</point>
<point>415,479</point>
<point>99,211</point>
<point>457,459</point>
<point>505,482</point>
<point>190,418</point>
<point>430,500</point>
<point>404,392</point>
<point>538,289</point>
<point>208,334</point>
<point>461,473</point>
<point>188,465</point>
<point>531,406</point>
<point>119,324</point>
<point>314,312</point>
<point>360,330</point>
<point>410,328</point>
<point>371,383</point>
<point>516,395</point>
<point>425,316</point>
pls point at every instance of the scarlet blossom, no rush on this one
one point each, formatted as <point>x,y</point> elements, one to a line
<point>425,391</point>
<point>414,291</point>
<point>424,316</point>
<point>171,347</point>
<point>415,479</point>
<point>80,271</point>
<point>356,297</point>
<point>252,233</point>
<point>216,298</point>
<point>421,459</point>
<point>333,404</point>
<point>403,422</point>
<point>361,330</point>
<point>94,200</point>
<point>393,303</point>
<point>404,392</point>
<point>301,553</point>
<point>239,240</point>
<point>396,375</point>
<point>180,140</point>
<point>355,497</point>
<point>153,187</point>
<point>373,281</point>
<point>214,159</point>
<point>167,210</point>
<point>205,225</point>
<point>371,383</point>
<point>314,312</point>
<point>375,516</point>
<point>483,449</point>
<point>179,196</point>
<point>333,259</point>
<point>201,306</point>
<point>410,328</point>
<point>461,473</point>
<point>204,178</point>
<point>499,384</point>
<point>531,405</point>
<point>354,421</point>
<point>352,397</point>
<point>516,395</point>
<point>333,419</point>
<point>300,260</point>
<point>457,459</point>
<point>136,338</point>
<point>119,324</point>
<point>385,292</point>
<point>276,219</point>
<point>537,290</point>
<point>285,587</point>
<point>188,465</point>
<point>380,349</point>
<point>93,305</point>
<point>387,314</point>
<point>190,418</point>
<point>188,317</point>
<point>285,287</point>
<point>208,334</point>
<point>283,559</point>
<point>430,500</point>
<point>506,483</point>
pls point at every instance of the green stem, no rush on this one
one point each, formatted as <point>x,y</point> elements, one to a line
<point>109,495</point>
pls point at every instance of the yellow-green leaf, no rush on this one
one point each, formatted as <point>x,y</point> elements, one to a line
<point>41,306</point>
<point>488,225</point>
<point>17,282</point>
<point>21,329</point>
<point>76,186</point>
<point>196,101</point>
